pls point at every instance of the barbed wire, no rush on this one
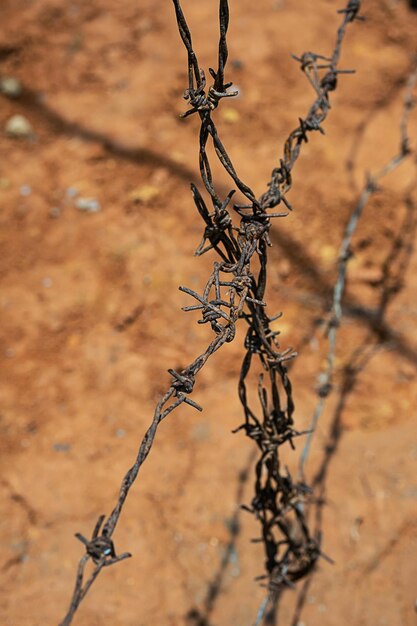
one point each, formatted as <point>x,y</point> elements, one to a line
<point>370,188</point>
<point>393,270</point>
<point>234,291</point>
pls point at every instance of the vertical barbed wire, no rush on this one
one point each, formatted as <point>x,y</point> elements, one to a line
<point>232,292</point>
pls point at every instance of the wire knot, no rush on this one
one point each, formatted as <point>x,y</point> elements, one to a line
<point>352,10</point>
<point>183,383</point>
<point>329,81</point>
<point>202,101</point>
<point>100,547</point>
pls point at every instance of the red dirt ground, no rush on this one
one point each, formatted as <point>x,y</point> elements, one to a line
<point>90,317</point>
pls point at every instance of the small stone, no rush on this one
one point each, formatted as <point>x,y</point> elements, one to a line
<point>120,433</point>
<point>328,254</point>
<point>71,192</point>
<point>10,86</point>
<point>19,127</point>
<point>230,116</point>
<point>61,447</point>
<point>89,205</point>
<point>237,64</point>
<point>144,194</point>
<point>25,190</point>
<point>47,282</point>
<point>55,212</point>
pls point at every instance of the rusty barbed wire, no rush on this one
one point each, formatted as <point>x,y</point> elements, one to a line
<point>370,188</point>
<point>389,285</point>
<point>232,292</point>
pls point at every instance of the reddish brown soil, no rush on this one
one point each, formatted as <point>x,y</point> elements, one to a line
<point>91,320</point>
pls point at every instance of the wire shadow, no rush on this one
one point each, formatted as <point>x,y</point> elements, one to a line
<point>201,616</point>
<point>381,103</point>
<point>394,269</point>
<point>145,156</point>
<point>353,308</point>
<point>31,101</point>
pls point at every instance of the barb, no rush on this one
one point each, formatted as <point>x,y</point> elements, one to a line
<point>233,292</point>
<point>311,64</point>
<point>393,273</point>
<point>370,188</point>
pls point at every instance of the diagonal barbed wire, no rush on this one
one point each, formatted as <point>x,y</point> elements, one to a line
<point>370,188</point>
<point>234,291</point>
<point>390,284</point>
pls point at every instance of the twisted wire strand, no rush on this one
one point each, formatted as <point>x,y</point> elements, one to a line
<point>233,292</point>
<point>370,188</point>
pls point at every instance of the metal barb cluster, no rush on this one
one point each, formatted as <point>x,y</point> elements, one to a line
<point>234,291</point>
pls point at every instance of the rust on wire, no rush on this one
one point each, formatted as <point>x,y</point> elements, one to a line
<point>239,234</point>
<point>370,188</point>
<point>390,284</point>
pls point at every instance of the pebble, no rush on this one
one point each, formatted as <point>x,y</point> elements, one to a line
<point>61,447</point>
<point>47,282</point>
<point>25,190</point>
<point>229,115</point>
<point>55,212</point>
<point>237,64</point>
<point>120,433</point>
<point>89,205</point>
<point>144,194</point>
<point>71,192</point>
<point>19,127</point>
<point>10,86</point>
<point>328,254</point>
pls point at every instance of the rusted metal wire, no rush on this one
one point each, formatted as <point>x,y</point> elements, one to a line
<point>370,188</point>
<point>235,290</point>
<point>392,280</point>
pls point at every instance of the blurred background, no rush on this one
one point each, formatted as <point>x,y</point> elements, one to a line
<point>98,230</point>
